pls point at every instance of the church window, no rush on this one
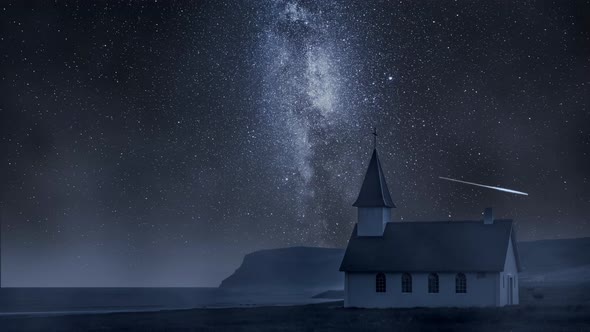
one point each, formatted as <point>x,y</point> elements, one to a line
<point>433,283</point>
<point>460,283</point>
<point>406,283</point>
<point>380,283</point>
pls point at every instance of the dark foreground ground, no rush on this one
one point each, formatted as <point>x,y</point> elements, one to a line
<point>318,317</point>
<point>543,308</point>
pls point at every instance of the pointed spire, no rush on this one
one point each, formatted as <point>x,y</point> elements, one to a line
<point>374,191</point>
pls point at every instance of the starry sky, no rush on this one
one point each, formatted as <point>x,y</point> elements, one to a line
<point>154,143</point>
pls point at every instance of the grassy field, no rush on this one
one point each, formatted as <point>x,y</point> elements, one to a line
<point>319,317</point>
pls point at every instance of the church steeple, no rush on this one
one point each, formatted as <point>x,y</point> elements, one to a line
<point>374,202</point>
<point>374,191</point>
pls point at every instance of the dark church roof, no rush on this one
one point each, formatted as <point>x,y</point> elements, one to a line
<point>440,246</point>
<point>374,191</point>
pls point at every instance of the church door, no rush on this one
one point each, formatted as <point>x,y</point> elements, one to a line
<point>510,290</point>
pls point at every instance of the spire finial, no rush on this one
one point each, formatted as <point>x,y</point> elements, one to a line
<point>374,137</point>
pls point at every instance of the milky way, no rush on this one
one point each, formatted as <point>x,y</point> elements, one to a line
<point>303,91</point>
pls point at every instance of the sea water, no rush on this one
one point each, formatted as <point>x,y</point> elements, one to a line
<point>47,301</point>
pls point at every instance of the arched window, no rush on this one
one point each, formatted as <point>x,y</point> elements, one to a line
<point>433,283</point>
<point>380,283</point>
<point>460,283</point>
<point>406,283</point>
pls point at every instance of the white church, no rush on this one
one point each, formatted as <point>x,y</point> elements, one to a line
<point>426,264</point>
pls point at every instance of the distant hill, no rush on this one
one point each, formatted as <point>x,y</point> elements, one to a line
<point>294,268</point>
<point>308,268</point>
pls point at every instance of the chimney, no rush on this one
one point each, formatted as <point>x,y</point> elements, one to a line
<point>488,216</point>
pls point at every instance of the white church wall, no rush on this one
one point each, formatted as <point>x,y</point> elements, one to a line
<point>481,291</point>
<point>361,291</point>
<point>371,221</point>
<point>510,270</point>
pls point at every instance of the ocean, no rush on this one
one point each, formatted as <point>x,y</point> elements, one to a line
<point>52,301</point>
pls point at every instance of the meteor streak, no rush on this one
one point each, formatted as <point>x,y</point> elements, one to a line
<point>486,186</point>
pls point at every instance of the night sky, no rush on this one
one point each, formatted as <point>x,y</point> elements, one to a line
<point>157,142</point>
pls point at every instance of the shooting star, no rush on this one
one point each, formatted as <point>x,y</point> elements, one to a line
<point>486,186</point>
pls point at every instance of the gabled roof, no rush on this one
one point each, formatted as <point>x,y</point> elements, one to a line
<point>439,246</point>
<point>374,191</point>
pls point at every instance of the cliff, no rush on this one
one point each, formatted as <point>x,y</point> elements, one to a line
<point>289,269</point>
